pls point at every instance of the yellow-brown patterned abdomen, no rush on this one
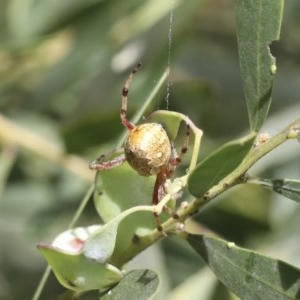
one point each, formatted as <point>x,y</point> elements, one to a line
<point>148,149</point>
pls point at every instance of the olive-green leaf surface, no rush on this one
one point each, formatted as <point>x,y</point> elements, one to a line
<point>258,25</point>
<point>248,274</point>
<point>120,189</point>
<point>218,165</point>
<point>135,285</point>
<point>170,121</point>
<point>86,267</point>
<point>78,272</point>
<point>289,188</point>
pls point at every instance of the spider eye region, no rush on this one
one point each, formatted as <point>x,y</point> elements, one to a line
<point>148,149</point>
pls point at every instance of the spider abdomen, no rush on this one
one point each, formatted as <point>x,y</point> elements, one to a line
<point>148,149</point>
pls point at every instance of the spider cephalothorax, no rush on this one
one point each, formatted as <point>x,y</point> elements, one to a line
<point>147,149</point>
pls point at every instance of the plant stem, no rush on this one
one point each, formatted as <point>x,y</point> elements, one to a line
<point>237,176</point>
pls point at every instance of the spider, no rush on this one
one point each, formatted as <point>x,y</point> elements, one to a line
<point>148,149</point>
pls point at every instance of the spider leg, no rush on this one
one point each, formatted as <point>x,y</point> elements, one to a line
<point>125,92</point>
<point>170,212</point>
<point>159,187</point>
<point>102,157</point>
<point>99,166</point>
<point>158,194</point>
<point>158,191</point>
<point>176,159</point>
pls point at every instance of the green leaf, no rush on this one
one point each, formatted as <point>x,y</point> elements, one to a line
<point>100,245</point>
<point>289,188</point>
<point>218,165</point>
<point>258,24</point>
<point>79,258</point>
<point>248,274</point>
<point>120,189</point>
<point>135,285</point>
<point>169,119</point>
<point>78,272</point>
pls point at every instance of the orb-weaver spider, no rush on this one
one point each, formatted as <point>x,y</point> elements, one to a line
<point>148,148</point>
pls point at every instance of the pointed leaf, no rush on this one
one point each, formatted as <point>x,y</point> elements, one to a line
<point>135,285</point>
<point>246,273</point>
<point>80,261</point>
<point>100,245</point>
<point>78,272</point>
<point>218,165</point>
<point>289,188</point>
<point>258,24</point>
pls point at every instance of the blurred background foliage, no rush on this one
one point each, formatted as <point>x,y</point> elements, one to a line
<point>62,68</point>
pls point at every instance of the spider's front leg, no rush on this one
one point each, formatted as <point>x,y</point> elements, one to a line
<point>98,165</point>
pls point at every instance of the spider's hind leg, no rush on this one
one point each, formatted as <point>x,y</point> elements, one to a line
<point>161,178</point>
<point>172,214</point>
<point>158,193</point>
<point>159,187</point>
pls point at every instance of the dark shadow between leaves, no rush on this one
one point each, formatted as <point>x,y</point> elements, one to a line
<point>146,277</point>
<point>135,285</point>
<point>289,276</point>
